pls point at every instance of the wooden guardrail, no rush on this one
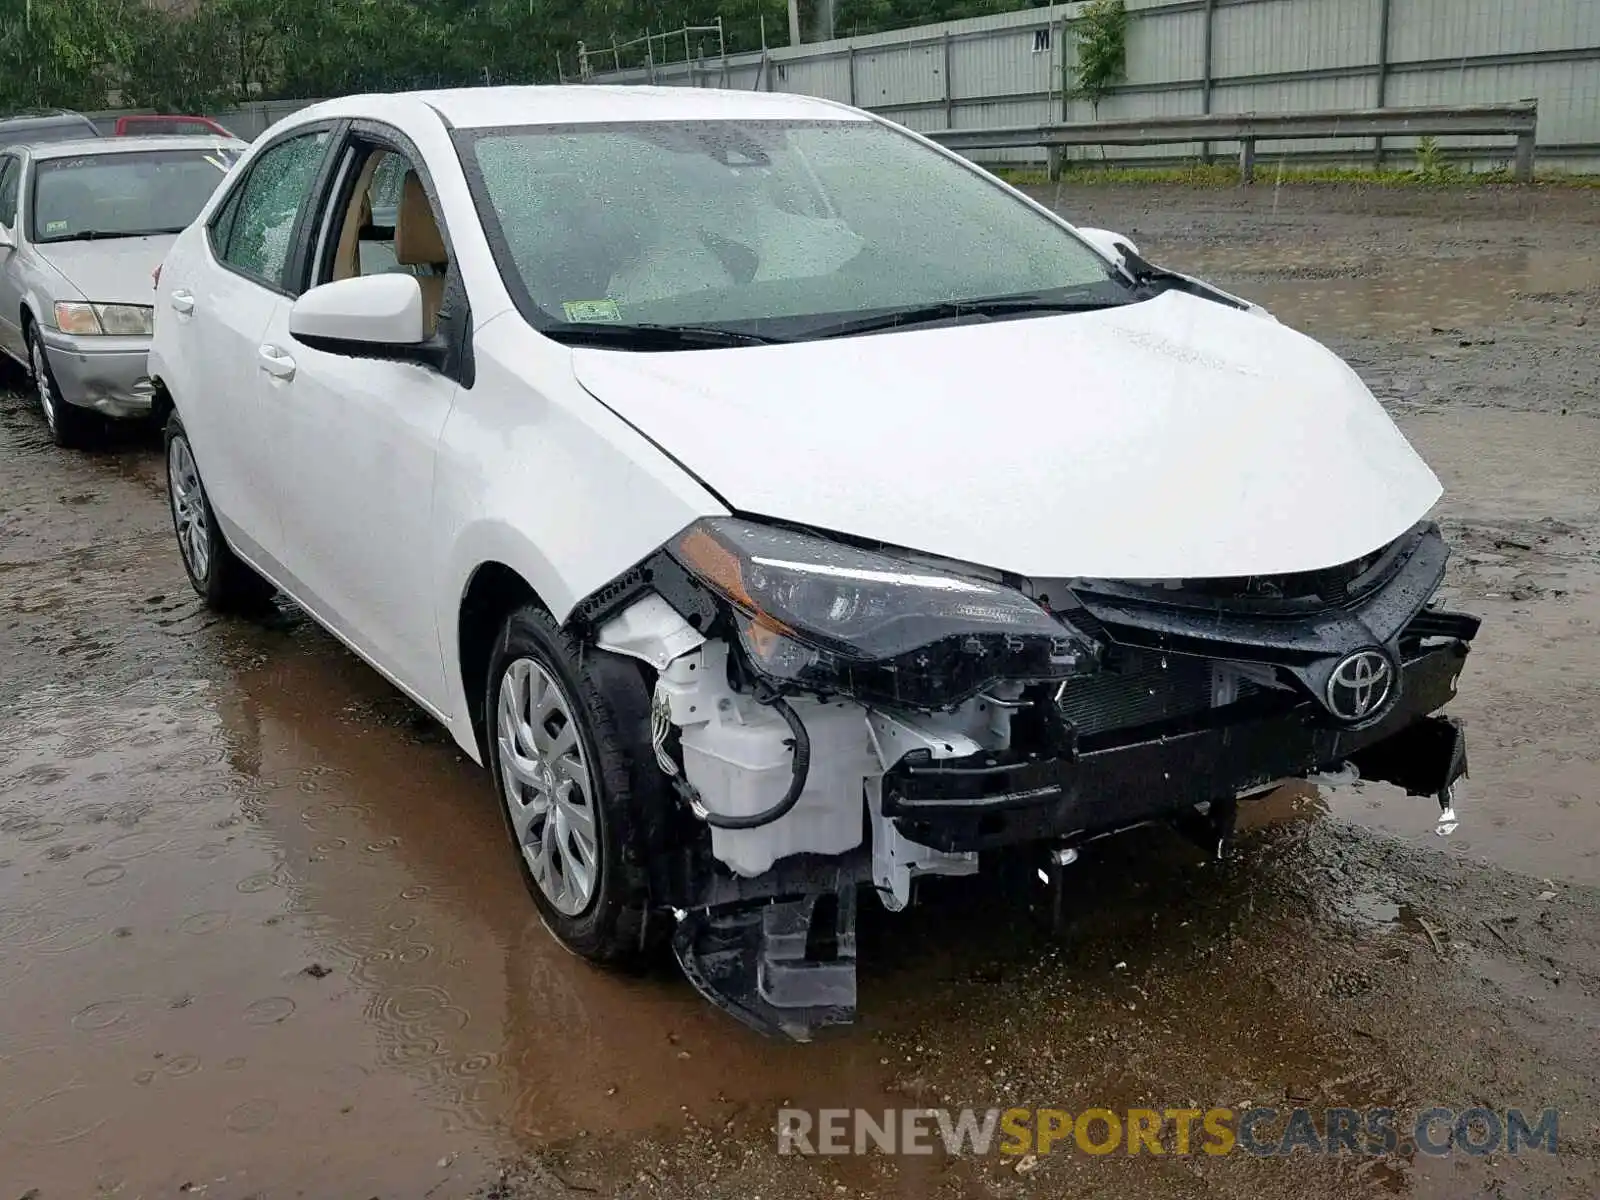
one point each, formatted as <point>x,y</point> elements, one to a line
<point>1519,120</point>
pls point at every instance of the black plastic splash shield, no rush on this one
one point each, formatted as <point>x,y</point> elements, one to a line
<point>1425,759</point>
<point>785,968</point>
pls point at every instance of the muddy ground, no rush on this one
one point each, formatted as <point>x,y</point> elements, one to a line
<point>260,935</point>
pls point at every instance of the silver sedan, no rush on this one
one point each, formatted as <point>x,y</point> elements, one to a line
<point>83,227</point>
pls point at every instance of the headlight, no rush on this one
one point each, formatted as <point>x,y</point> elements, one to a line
<point>116,320</point>
<point>836,618</point>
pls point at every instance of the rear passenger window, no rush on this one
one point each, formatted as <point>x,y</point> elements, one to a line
<point>251,232</point>
<point>10,177</point>
<point>222,222</point>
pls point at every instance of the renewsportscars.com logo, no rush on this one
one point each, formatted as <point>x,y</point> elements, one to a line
<point>1264,1132</point>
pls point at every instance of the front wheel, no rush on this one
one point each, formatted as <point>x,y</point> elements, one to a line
<point>564,725</point>
<point>68,424</point>
<point>220,578</point>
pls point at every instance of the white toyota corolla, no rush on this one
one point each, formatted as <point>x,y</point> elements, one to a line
<point>779,505</point>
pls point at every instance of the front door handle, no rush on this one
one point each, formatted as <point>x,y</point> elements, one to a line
<point>183,301</point>
<point>276,363</point>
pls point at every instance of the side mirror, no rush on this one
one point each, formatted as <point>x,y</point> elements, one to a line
<point>1106,242</point>
<point>369,316</point>
<point>7,242</point>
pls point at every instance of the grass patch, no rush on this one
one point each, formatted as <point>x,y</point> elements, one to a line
<point>1224,175</point>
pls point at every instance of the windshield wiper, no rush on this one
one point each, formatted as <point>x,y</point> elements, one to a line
<point>85,235</point>
<point>628,336</point>
<point>1152,279</point>
<point>945,310</point>
<point>95,235</point>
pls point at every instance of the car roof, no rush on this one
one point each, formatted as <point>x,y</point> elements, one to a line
<point>43,120</point>
<point>488,107</point>
<point>83,147</point>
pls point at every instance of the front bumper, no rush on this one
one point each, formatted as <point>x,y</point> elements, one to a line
<point>108,374</point>
<point>1120,779</point>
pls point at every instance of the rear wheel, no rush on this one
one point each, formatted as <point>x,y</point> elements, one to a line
<point>563,737</point>
<point>68,424</point>
<point>218,575</point>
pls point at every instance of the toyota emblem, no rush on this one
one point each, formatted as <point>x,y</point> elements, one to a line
<point>1361,686</point>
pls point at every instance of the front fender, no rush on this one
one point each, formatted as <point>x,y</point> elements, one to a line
<point>40,303</point>
<point>544,479</point>
<point>41,310</point>
<point>487,543</point>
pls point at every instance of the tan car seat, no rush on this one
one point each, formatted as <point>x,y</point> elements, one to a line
<point>417,243</point>
<point>347,261</point>
<point>347,255</point>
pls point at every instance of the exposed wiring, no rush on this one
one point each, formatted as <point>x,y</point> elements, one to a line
<point>660,730</point>
<point>799,767</point>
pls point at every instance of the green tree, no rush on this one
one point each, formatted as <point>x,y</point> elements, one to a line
<point>182,62</point>
<point>66,53</point>
<point>1102,34</point>
<point>206,54</point>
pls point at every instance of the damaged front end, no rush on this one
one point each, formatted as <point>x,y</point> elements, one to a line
<point>832,717</point>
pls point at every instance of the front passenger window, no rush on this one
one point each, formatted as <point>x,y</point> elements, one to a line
<point>261,223</point>
<point>389,226</point>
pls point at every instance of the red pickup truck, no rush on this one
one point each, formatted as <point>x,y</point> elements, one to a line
<point>160,124</point>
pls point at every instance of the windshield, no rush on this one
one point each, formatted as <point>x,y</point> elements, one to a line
<point>124,195</point>
<point>782,228</point>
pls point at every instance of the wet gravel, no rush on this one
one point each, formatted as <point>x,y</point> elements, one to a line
<point>260,937</point>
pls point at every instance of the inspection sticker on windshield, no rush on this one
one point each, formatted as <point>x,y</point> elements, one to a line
<point>591,310</point>
<point>55,226</point>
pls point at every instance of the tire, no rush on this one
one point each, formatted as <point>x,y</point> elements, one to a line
<point>582,768</point>
<point>69,425</point>
<point>218,575</point>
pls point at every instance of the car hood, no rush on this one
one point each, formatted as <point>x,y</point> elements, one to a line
<point>1173,438</point>
<point>112,270</point>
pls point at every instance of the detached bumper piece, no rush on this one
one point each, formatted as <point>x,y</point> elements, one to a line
<point>1123,778</point>
<point>785,967</point>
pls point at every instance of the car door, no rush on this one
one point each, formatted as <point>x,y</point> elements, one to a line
<point>11,259</point>
<point>221,302</point>
<point>359,435</point>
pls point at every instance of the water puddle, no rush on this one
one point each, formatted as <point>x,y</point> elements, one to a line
<point>259,912</point>
<point>1377,295</point>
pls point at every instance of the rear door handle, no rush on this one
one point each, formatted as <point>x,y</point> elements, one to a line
<point>183,301</point>
<point>276,363</point>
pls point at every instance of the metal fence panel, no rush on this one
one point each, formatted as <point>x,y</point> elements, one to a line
<point>1166,49</point>
<point>1568,94</point>
<point>911,75</point>
<point>1437,29</point>
<point>1290,35</point>
<point>1301,95</point>
<point>1174,102</point>
<point>1006,63</point>
<point>827,76</point>
<point>1265,55</point>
